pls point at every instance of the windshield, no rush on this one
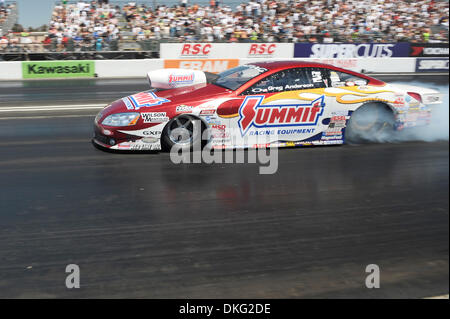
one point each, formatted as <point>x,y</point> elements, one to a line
<point>234,78</point>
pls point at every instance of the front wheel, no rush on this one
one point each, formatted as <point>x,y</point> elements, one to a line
<point>182,131</point>
<point>372,122</point>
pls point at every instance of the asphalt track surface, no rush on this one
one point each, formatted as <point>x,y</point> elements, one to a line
<point>140,226</point>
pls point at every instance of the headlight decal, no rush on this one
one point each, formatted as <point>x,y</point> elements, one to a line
<point>121,119</point>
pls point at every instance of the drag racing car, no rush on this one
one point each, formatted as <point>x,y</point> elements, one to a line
<point>264,104</point>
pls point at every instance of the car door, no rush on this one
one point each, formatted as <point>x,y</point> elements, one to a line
<point>283,108</point>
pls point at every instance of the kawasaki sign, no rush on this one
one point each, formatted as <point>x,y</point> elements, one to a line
<point>57,69</point>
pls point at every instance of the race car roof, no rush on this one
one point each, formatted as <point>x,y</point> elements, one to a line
<point>281,65</point>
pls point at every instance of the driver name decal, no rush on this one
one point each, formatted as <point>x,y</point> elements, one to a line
<point>144,99</point>
<point>252,113</point>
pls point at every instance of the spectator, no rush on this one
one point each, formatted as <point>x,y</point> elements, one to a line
<point>93,25</point>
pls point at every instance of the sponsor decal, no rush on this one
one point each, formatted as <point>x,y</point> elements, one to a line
<point>351,50</point>
<point>333,132</point>
<point>175,80</point>
<point>253,114</point>
<point>430,98</point>
<point>183,109</point>
<point>400,101</point>
<point>207,112</point>
<point>151,133</point>
<point>143,99</point>
<point>206,65</point>
<point>219,131</point>
<point>154,117</point>
<point>338,118</point>
<point>431,65</point>
<point>57,69</point>
<point>337,124</point>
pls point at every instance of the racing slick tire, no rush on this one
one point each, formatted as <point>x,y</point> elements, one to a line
<point>372,122</point>
<point>183,132</point>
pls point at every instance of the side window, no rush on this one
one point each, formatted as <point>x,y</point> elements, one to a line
<point>345,79</point>
<point>318,77</point>
<point>289,80</point>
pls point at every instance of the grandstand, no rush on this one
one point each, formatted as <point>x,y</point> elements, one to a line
<point>139,26</point>
<point>8,16</point>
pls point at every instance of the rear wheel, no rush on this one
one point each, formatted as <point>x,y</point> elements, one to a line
<point>372,122</point>
<point>182,131</point>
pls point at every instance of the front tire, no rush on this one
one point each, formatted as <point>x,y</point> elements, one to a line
<point>372,122</point>
<point>183,132</point>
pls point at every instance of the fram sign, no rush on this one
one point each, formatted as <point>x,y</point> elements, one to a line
<point>206,65</point>
<point>252,113</point>
<point>225,50</point>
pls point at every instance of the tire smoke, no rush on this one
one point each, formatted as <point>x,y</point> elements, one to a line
<point>437,130</point>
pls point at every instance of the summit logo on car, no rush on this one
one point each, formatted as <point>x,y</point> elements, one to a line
<point>253,113</point>
<point>175,80</point>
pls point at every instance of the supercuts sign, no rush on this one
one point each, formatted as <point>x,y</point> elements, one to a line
<point>351,50</point>
<point>226,50</point>
<point>253,113</point>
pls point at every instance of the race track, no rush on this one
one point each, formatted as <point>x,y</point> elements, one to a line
<point>140,226</point>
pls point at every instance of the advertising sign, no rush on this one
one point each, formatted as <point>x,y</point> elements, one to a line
<point>431,65</point>
<point>57,69</point>
<point>226,50</point>
<point>351,50</point>
<point>429,50</point>
<point>206,65</point>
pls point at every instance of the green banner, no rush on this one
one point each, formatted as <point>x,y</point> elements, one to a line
<point>57,69</point>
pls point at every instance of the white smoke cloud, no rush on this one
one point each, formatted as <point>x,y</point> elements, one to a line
<point>437,130</point>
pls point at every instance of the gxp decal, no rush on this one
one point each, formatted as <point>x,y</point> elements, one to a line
<point>252,113</point>
<point>144,99</point>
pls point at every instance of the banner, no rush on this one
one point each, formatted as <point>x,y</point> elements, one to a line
<point>351,50</point>
<point>429,50</point>
<point>206,65</point>
<point>57,69</point>
<point>431,65</point>
<point>226,50</point>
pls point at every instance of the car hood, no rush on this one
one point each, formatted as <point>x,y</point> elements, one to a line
<point>190,95</point>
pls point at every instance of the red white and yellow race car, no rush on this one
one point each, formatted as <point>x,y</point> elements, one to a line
<point>267,104</point>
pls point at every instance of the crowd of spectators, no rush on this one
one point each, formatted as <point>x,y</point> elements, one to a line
<point>100,25</point>
<point>84,26</point>
<point>293,21</point>
<point>5,10</point>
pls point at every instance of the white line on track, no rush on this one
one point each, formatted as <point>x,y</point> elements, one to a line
<point>52,108</point>
<point>44,117</point>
